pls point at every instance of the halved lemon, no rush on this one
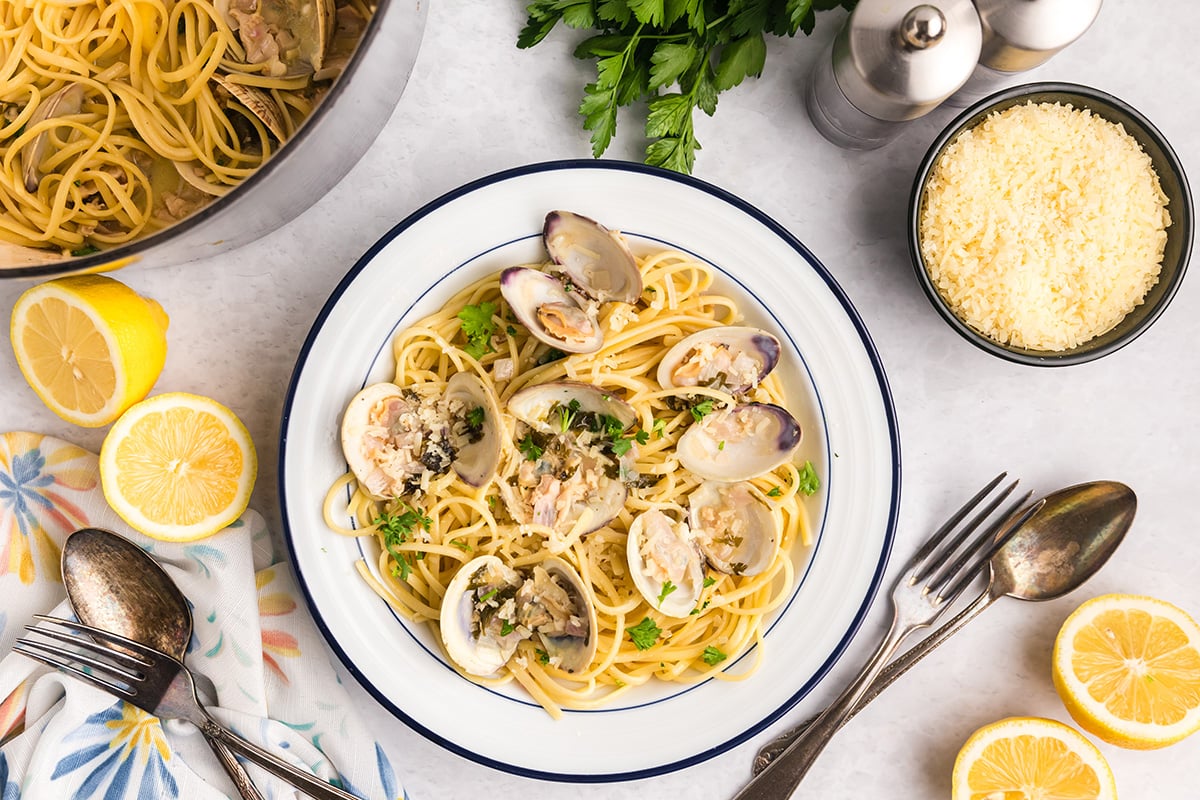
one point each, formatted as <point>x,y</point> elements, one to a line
<point>89,346</point>
<point>1030,758</point>
<point>178,466</point>
<point>1127,668</point>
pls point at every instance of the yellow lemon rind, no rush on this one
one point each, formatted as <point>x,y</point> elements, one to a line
<point>155,528</point>
<point>1040,727</point>
<point>1090,714</point>
<point>132,327</point>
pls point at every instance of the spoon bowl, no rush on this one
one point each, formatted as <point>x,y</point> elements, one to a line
<point>114,585</point>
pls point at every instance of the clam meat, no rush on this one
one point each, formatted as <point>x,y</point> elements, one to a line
<point>552,314</point>
<point>739,443</point>
<point>489,608</point>
<point>733,528</point>
<point>595,260</point>
<point>730,358</point>
<point>665,563</point>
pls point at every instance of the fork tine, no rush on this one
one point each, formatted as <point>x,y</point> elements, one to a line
<point>932,562</point>
<point>941,533</point>
<point>998,542</point>
<point>147,655</point>
<point>57,659</point>
<point>943,568</point>
<point>121,659</point>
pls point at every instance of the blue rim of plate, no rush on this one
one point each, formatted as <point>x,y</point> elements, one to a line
<point>847,308</point>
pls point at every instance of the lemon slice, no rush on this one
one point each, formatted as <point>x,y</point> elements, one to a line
<point>1128,670</point>
<point>89,346</point>
<point>1029,758</point>
<point>178,466</point>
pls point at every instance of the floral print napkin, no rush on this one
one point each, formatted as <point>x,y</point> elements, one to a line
<point>252,637</point>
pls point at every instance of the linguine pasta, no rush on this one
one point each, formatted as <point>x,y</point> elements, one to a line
<point>463,522</point>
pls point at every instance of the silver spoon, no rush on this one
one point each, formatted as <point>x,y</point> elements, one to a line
<point>1053,553</point>
<point>114,585</point>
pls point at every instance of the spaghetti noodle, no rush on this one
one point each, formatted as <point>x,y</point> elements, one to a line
<point>120,117</point>
<point>451,522</point>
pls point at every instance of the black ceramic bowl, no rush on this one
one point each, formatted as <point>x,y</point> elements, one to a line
<point>1171,177</point>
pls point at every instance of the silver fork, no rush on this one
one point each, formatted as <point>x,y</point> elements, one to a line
<point>931,582</point>
<point>154,682</point>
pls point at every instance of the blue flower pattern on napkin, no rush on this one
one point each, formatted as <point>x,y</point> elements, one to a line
<point>124,752</point>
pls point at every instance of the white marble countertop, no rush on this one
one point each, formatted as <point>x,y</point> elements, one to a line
<point>476,104</point>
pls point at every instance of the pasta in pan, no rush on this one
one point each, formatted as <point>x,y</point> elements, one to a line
<point>120,117</point>
<point>431,526</point>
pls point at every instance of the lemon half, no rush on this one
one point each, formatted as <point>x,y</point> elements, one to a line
<point>178,466</point>
<point>1030,758</point>
<point>89,346</point>
<point>1127,668</point>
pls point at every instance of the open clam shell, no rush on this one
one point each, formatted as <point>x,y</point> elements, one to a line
<point>733,527</point>
<point>560,318</point>
<point>478,451</point>
<point>596,260</point>
<point>258,103</point>
<point>731,358</point>
<point>665,563</point>
<point>558,607</point>
<point>366,432</point>
<point>739,443</point>
<point>477,607</point>
<point>542,406</point>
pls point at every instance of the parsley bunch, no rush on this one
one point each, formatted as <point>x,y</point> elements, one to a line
<point>677,55</point>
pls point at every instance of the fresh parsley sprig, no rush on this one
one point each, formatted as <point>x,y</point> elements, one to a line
<point>396,527</point>
<point>677,55</point>
<point>478,327</point>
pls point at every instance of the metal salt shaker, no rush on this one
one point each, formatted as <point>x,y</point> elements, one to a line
<point>1019,35</point>
<point>892,62</point>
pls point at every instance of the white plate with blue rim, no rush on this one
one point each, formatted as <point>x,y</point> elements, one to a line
<point>843,405</point>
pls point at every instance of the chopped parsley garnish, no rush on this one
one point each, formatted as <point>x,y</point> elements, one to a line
<point>475,418</point>
<point>721,445</point>
<point>702,409</point>
<point>542,656</point>
<point>510,330</point>
<point>529,448</point>
<point>484,598</point>
<point>713,656</point>
<point>396,528</point>
<point>667,588</point>
<point>624,444</point>
<point>775,492</point>
<point>86,250</point>
<point>709,581</point>
<point>466,548</point>
<point>506,628</point>
<point>659,425</point>
<point>644,634</point>
<point>809,482</point>
<point>478,327</point>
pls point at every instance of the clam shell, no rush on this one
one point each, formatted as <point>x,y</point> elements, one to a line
<point>733,527</point>
<point>480,655</point>
<point>739,443</point>
<point>355,424</point>
<point>530,291</point>
<point>738,359</point>
<point>595,259</point>
<point>476,462</point>
<point>535,405</point>
<point>659,549</point>
<point>574,653</point>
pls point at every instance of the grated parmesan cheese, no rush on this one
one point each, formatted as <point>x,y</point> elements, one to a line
<point>1043,226</point>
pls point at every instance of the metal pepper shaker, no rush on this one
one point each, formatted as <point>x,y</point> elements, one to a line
<point>892,62</point>
<point>1019,35</point>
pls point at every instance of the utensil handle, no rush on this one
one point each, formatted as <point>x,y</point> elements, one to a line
<point>304,781</point>
<point>783,775</point>
<point>906,661</point>
<point>234,769</point>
